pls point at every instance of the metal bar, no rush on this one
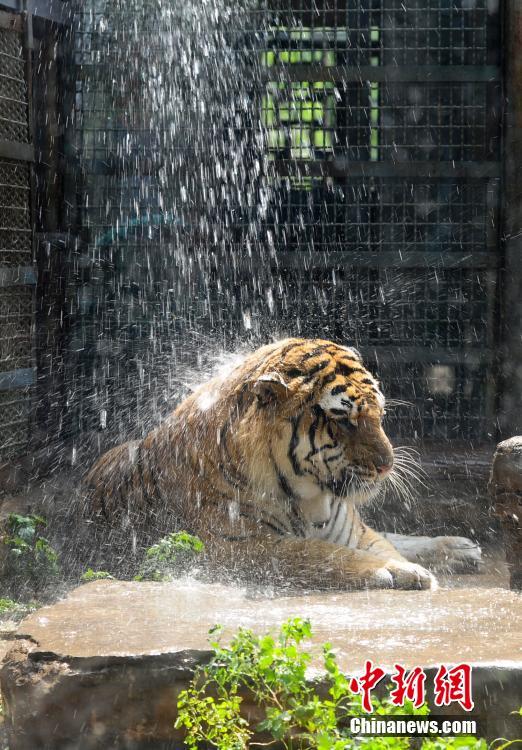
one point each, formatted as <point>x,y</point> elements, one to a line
<point>381,73</point>
<point>421,354</point>
<point>492,120</point>
<point>494,35</point>
<point>18,276</point>
<point>17,151</point>
<point>493,224</point>
<point>492,317</point>
<point>511,280</point>
<point>29,52</point>
<point>341,166</point>
<point>54,238</point>
<point>385,259</point>
<point>492,339</point>
<point>50,10</point>
<point>29,38</point>
<point>113,166</point>
<point>384,73</point>
<point>13,379</point>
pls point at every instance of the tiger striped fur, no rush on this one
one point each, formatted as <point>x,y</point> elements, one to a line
<point>268,465</point>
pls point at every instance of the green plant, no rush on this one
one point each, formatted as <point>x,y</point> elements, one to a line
<point>16,610</point>
<point>503,743</point>
<point>8,605</point>
<point>95,575</point>
<point>270,673</point>
<point>171,556</point>
<point>28,563</point>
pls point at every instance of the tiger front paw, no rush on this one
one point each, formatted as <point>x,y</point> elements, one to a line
<point>456,553</point>
<point>400,574</point>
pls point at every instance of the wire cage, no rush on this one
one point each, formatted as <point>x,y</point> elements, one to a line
<point>16,240</point>
<point>381,122</point>
<point>328,169</point>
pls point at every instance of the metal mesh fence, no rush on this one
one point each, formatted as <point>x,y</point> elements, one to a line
<point>381,121</point>
<point>385,215</point>
<point>391,307</point>
<point>15,229</point>
<point>420,32</point>
<point>14,120</point>
<point>422,121</point>
<point>326,169</point>
<point>16,313</point>
<point>15,408</point>
<point>16,294</point>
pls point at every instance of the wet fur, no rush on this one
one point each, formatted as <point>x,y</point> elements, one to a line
<point>268,465</point>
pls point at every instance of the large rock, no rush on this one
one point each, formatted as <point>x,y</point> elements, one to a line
<point>102,669</point>
<point>506,487</point>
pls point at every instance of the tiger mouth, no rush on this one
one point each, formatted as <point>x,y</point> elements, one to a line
<point>351,482</point>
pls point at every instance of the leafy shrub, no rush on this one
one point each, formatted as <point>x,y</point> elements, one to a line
<point>95,575</point>
<point>501,743</point>
<point>170,557</point>
<point>8,605</point>
<point>298,714</point>
<point>28,563</point>
<point>17,610</point>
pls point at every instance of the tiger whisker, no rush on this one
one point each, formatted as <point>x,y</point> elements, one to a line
<point>402,489</point>
<point>406,450</point>
<point>406,474</point>
<point>411,471</point>
<point>408,454</point>
<point>407,463</point>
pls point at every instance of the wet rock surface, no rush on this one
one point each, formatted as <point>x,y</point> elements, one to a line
<point>506,487</point>
<point>115,619</point>
<point>103,667</point>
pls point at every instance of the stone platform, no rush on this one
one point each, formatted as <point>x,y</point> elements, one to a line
<point>102,668</point>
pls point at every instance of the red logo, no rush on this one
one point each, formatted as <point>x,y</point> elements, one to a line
<point>409,686</point>
<point>454,686</point>
<point>366,683</point>
<point>450,685</point>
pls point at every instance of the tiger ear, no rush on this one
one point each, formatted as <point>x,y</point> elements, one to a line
<point>270,388</point>
<point>354,352</point>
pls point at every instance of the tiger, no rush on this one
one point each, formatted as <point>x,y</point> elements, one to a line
<point>270,464</point>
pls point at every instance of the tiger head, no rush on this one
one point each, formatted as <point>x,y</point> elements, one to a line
<point>316,417</point>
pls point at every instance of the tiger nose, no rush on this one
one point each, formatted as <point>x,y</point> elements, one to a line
<point>384,464</point>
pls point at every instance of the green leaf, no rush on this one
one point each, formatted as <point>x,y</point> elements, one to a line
<point>95,575</point>
<point>271,670</point>
<point>8,605</point>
